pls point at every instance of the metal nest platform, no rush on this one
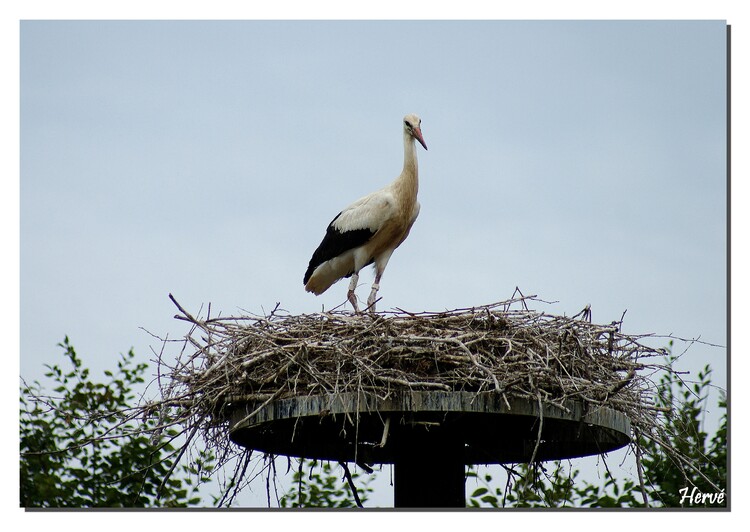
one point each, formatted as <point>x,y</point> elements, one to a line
<point>479,428</point>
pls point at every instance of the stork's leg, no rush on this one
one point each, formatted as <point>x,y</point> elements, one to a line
<point>380,264</point>
<point>350,295</point>
<point>374,293</point>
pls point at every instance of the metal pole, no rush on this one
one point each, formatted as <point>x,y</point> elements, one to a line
<point>429,470</point>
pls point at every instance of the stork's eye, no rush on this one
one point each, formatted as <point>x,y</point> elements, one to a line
<point>407,124</point>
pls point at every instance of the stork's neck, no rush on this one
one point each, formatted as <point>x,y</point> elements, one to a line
<point>410,155</point>
<point>408,181</point>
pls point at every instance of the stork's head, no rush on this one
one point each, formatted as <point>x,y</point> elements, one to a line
<point>412,126</point>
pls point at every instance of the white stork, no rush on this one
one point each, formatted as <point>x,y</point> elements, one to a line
<point>370,229</point>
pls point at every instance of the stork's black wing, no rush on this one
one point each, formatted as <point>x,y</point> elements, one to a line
<point>334,244</point>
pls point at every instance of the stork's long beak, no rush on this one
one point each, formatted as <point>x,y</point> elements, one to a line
<point>418,136</point>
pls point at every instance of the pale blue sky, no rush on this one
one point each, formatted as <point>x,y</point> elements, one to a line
<point>581,161</point>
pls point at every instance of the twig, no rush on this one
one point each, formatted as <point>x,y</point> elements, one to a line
<point>348,477</point>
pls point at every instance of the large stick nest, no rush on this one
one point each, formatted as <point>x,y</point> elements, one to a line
<point>502,348</point>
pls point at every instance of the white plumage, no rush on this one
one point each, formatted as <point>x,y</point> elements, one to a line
<point>370,229</point>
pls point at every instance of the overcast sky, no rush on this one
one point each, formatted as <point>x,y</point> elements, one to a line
<point>584,162</point>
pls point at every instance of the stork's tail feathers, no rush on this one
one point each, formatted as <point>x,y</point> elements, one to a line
<point>319,279</point>
<point>317,285</point>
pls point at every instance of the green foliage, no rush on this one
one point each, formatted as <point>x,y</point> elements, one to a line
<point>525,488</point>
<point>706,468</point>
<point>79,449</point>
<point>551,485</point>
<point>323,486</point>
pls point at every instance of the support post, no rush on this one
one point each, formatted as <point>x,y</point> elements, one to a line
<point>429,471</point>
